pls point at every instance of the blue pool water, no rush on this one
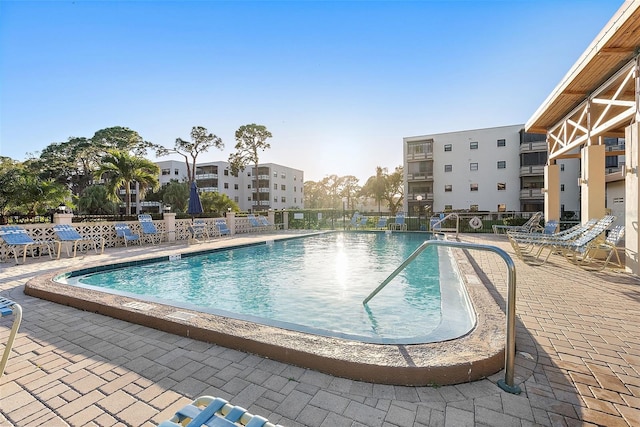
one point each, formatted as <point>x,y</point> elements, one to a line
<point>313,284</point>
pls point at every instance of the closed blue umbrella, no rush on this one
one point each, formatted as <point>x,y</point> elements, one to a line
<point>195,205</point>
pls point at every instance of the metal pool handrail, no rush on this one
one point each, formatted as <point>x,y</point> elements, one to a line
<point>510,346</point>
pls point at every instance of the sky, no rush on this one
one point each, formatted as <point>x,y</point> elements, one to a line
<point>339,84</point>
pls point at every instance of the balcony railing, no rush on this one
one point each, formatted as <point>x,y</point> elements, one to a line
<point>530,147</point>
<point>425,197</point>
<point>206,176</point>
<point>419,177</point>
<point>531,193</point>
<point>532,170</point>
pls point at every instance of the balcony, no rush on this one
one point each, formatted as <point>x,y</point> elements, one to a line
<point>426,197</point>
<point>531,170</point>
<point>420,156</point>
<point>419,177</point>
<point>200,176</point>
<point>208,189</point>
<point>531,193</point>
<point>531,147</point>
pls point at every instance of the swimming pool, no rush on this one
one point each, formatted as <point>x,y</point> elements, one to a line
<point>313,284</point>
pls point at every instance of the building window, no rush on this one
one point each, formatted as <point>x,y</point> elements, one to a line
<point>226,185</point>
<point>283,199</point>
<point>295,178</point>
<point>248,186</point>
<point>166,171</point>
<point>561,187</point>
<point>502,143</point>
<point>226,172</point>
<point>473,187</point>
<point>283,175</point>
<point>448,168</point>
<point>275,186</point>
<point>249,173</point>
<point>502,207</point>
<point>502,164</point>
<point>473,166</point>
<point>295,189</point>
<point>275,174</point>
<point>275,200</point>
<point>447,147</point>
<point>448,188</point>
<point>249,199</point>
<point>502,186</point>
<point>473,208</point>
<point>561,167</point>
<point>283,187</point>
<point>236,199</point>
<point>473,145</point>
<point>176,172</point>
<point>235,187</point>
<point>295,200</point>
<point>448,208</point>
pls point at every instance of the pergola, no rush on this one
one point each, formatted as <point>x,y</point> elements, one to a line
<point>599,97</point>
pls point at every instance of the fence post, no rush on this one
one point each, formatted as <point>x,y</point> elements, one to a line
<point>170,225</point>
<point>62,218</point>
<point>231,221</point>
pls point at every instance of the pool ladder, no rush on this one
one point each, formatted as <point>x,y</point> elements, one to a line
<point>510,345</point>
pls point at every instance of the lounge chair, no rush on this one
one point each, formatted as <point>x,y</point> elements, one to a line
<point>8,308</point>
<point>532,224</point>
<point>575,249</point>
<point>68,236</point>
<point>592,258</point>
<point>382,223</point>
<point>199,230</point>
<point>124,232</point>
<point>255,224</point>
<point>148,229</point>
<point>17,239</point>
<point>212,411</point>
<point>221,225</point>
<point>265,223</point>
<point>362,223</point>
<point>355,220</point>
<point>399,223</point>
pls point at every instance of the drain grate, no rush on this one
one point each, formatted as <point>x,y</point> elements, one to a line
<point>181,315</point>
<point>139,306</point>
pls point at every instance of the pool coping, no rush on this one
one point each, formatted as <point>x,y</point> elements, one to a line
<point>474,356</point>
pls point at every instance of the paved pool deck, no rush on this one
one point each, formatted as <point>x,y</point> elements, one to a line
<point>577,360</point>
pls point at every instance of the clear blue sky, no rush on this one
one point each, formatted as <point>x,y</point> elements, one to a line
<point>339,84</point>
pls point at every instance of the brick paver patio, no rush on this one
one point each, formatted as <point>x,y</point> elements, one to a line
<point>578,357</point>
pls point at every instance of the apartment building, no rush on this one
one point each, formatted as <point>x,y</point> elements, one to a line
<point>496,169</point>
<point>276,187</point>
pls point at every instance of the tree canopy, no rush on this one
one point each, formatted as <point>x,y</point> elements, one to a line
<point>201,141</point>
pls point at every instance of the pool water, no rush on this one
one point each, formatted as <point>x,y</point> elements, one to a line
<point>313,284</point>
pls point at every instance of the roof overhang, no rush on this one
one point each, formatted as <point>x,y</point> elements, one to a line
<point>617,44</point>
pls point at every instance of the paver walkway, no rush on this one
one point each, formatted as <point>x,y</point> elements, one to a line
<point>578,357</point>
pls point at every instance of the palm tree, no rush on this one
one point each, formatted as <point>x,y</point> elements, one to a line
<point>121,169</point>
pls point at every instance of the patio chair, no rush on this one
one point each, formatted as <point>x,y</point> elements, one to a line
<point>17,239</point>
<point>593,257</point>
<point>198,230</point>
<point>69,236</point>
<point>124,232</point>
<point>221,225</point>
<point>382,223</point>
<point>255,224</point>
<point>148,229</point>
<point>531,225</point>
<point>399,223</point>
<point>574,250</point>
<point>362,223</point>
<point>265,223</point>
<point>212,411</point>
<point>8,308</point>
<point>355,219</point>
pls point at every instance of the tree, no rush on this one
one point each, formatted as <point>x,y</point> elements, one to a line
<point>214,202</point>
<point>249,140</point>
<point>121,169</point>
<point>37,196</point>
<point>350,189</point>
<point>333,188</point>
<point>121,139</point>
<point>94,200</point>
<point>11,175</point>
<point>394,194</point>
<point>176,195</point>
<point>201,141</point>
<point>376,186</point>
